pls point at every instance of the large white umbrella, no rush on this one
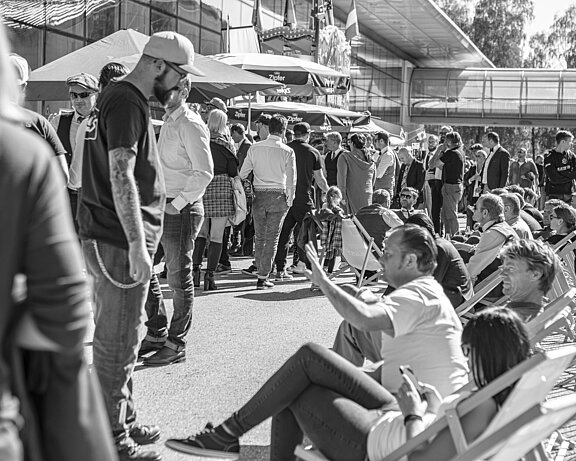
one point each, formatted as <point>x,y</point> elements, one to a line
<point>300,77</point>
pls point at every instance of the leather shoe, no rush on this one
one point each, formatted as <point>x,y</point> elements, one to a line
<point>150,346</point>
<point>144,434</point>
<point>165,356</point>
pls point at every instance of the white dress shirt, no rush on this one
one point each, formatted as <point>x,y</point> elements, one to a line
<point>184,147</point>
<point>274,166</point>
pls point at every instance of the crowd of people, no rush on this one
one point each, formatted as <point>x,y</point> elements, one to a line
<point>134,198</point>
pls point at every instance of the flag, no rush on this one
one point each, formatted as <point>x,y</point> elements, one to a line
<point>290,14</point>
<point>257,16</point>
<point>352,22</point>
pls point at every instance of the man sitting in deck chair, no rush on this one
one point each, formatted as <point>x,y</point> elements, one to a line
<point>425,324</point>
<point>528,270</point>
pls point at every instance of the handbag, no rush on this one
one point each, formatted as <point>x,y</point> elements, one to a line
<point>239,201</point>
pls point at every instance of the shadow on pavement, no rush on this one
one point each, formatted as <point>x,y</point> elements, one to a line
<point>271,295</point>
<point>254,453</point>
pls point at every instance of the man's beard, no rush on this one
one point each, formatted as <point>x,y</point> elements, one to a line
<point>160,92</point>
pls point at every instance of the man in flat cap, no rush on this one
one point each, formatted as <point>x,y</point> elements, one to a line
<point>82,90</point>
<point>120,216</point>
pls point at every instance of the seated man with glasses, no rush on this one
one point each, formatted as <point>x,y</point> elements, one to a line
<point>408,198</point>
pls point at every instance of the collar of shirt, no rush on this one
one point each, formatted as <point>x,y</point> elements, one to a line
<point>274,137</point>
<point>78,118</point>
<point>488,225</point>
<point>174,114</point>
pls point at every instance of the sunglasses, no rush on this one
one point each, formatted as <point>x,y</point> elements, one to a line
<point>83,95</point>
<point>405,195</point>
<point>175,68</point>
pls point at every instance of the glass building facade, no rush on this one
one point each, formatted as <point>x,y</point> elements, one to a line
<point>45,30</point>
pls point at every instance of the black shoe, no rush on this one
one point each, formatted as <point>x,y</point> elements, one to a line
<point>264,284</point>
<point>150,346</point>
<point>131,451</point>
<point>144,434</point>
<point>209,283</point>
<point>164,356</point>
<point>196,277</point>
<point>207,443</point>
<point>252,270</point>
<point>222,269</point>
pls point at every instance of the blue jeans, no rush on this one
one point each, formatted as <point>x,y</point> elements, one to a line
<point>119,318</point>
<point>268,210</point>
<point>451,195</point>
<point>180,231</point>
<point>318,393</point>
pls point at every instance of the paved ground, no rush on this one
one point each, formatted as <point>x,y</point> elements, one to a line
<point>239,336</point>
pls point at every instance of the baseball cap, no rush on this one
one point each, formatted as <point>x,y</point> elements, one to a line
<point>218,104</point>
<point>174,48</point>
<point>301,128</point>
<point>84,80</point>
<point>21,68</point>
<point>264,119</point>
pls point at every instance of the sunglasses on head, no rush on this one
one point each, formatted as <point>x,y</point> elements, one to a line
<point>82,95</point>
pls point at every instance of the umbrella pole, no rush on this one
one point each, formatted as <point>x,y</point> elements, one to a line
<point>249,112</point>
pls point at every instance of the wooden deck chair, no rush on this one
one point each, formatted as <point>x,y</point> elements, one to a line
<point>534,379</point>
<point>465,309</point>
<point>568,238</point>
<point>359,252</point>
<point>567,256</point>
<point>555,318</point>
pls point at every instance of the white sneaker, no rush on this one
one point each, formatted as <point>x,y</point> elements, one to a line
<point>300,268</point>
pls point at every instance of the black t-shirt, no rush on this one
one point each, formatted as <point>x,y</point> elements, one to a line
<point>307,161</point>
<point>121,119</point>
<point>453,171</point>
<point>42,127</point>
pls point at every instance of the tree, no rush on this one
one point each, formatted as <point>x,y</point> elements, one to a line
<point>459,11</point>
<point>562,38</point>
<point>540,55</point>
<point>498,29</point>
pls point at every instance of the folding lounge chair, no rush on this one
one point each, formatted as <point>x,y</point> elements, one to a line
<point>465,309</point>
<point>519,427</point>
<point>555,318</point>
<point>359,251</point>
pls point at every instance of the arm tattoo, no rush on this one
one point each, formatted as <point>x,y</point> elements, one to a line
<point>125,193</point>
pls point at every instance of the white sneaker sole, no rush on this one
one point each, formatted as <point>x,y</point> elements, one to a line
<point>183,448</point>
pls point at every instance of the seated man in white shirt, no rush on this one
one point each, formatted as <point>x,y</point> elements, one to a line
<point>512,215</point>
<point>416,324</point>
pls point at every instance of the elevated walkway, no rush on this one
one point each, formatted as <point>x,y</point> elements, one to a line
<point>488,96</point>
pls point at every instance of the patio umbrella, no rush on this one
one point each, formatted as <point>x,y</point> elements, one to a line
<point>299,76</point>
<point>320,118</point>
<point>47,83</point>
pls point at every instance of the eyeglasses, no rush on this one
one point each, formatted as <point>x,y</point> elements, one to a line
<point>466,350</point>
<point>405,195</point>
<point>83,95</point>
<point>175,68</point>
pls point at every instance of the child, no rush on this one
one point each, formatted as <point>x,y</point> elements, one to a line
<point>331,217</point>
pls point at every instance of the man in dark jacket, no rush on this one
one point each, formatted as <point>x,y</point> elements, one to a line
<point>496,168</point>
<point>411,174</point>
<point>560,168</point>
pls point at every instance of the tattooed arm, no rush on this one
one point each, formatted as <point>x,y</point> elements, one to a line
<point>127,202</point>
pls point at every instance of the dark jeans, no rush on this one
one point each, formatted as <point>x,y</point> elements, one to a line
<point>292,222</point>
<point>319,393</point>
<point>436,194</point>
<point>224,256</point>
<point>119,319</point>
<point>180,231</point>
<point>73,196</point>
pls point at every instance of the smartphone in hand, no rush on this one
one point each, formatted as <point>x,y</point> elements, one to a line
<point>407,371</point>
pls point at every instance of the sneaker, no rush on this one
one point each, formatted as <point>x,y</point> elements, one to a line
<point>221,269</point>
<point>144,435</point>
<point>164,356</point>
<point>128,450</point>
<point>300,268</point>
<point>252,270</point>
<point>207,443</point>
<point>283,275</point>
<point>264,284</point>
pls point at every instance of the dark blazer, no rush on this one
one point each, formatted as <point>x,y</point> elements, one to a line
<point>498,169</point>
<point>243,151</point>
<point>415,178</point>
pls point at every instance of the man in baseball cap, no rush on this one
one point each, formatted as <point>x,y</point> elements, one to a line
<point>120,217</point>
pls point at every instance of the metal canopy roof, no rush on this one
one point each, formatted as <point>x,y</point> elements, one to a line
<point>417,30</point>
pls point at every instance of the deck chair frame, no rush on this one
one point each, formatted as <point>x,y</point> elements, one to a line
<point>370,250</point>
<point>556,317</point>
<point>526,371</point>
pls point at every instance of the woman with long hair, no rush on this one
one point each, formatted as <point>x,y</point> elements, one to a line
<point>349,416</point>
<point>218,199</point>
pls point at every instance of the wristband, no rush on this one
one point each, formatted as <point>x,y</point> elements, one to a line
<point>408,418</point>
